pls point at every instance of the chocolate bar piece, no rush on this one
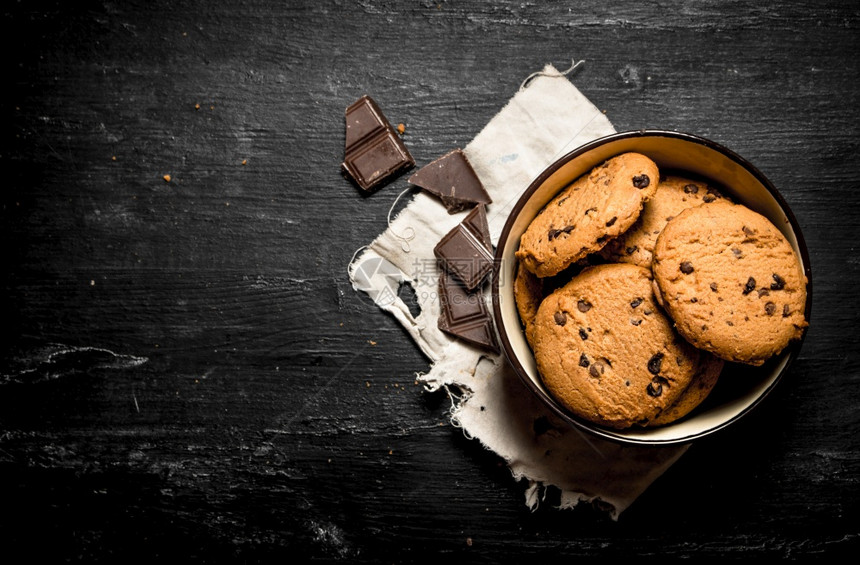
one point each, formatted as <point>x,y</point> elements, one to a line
<point>466,251</point>
<point>465,315</point>
<point>374,152</point>
<point>452,178</point>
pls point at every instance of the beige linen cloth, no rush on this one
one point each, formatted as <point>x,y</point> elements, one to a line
<point>545,119</point>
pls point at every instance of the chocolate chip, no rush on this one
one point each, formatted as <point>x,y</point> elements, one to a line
<point>602,238</point>
<point>686,267</point>
<point>647,312</point>
<point>641,181</point>
<point>714,286</point>
<point>750,286</point>
<point>691,189</point>
<point>747,230</point>
<point>669,218</point>
<point>778,282</point>
<point>655,363</point>
<point>583,306</point>
<point>590,210</point>
<point>786,312</point>
<point>708,198</point>
<point>555,233</point>
<point>770,308</point>
<point>737,252</point>
<point>763,292</point>
<point>635,322</point>
<point>632,250</point>
<point>655,387</point>
<point>694,300</point>
<point>729,323</point>
<point>636,302</point>
<point>611,221</point>
<point>583,361</point>
<point>597,369</point>
<point>561,200</point>
<point>560,318</point>
<point>583,334</point>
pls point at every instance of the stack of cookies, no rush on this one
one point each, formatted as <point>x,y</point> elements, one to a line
<point>634,289</point>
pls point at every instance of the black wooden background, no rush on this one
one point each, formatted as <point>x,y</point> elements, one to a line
<point>187,372</point>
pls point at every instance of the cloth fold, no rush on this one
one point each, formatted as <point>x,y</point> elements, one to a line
<point>544,120</point>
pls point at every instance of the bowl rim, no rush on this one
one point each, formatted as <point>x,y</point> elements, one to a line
<point>607,433</point>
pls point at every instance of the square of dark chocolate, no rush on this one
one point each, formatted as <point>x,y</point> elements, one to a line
<point>374,153</point>
<point>374,161</point>
<point>463,255</point>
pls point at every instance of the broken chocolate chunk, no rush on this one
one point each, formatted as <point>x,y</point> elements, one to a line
<point>778,282</point>
<point>655,363</point>
<point>465,315</point>
<point>466,251</point>
<point>636,302</point>
<point>686,267</point>
<point>583,334</point>
<point>374,153</point>
<point>713,286</point>
<point>611,221</point>
<point>583,306</point>
<point>560,318</point>
<point>750,286</point>
<point>452,178</point>
<point>763,292</point>
<point>583,360</point>
<point>641,181</point>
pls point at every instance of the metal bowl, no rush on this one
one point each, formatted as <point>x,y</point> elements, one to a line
<point>740,388</point>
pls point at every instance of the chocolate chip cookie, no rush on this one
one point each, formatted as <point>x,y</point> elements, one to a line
<point>528,294</point>
<point>705,379</point>
<point>607,352</point>
<point>731,282</point>
<point>674,194</point>
<point>592,210</point>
